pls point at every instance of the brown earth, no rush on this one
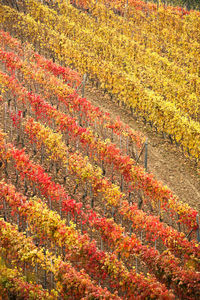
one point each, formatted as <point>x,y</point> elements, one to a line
<point>165,160</point>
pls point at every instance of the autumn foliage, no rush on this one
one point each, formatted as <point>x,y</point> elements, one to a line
<point>80,216</point>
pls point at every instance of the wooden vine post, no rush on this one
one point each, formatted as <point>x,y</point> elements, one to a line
<point>83,85</point>
<point>198,232</point>
<point>146,154</point>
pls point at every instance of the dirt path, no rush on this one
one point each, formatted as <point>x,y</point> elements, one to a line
<point>165,161</point>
